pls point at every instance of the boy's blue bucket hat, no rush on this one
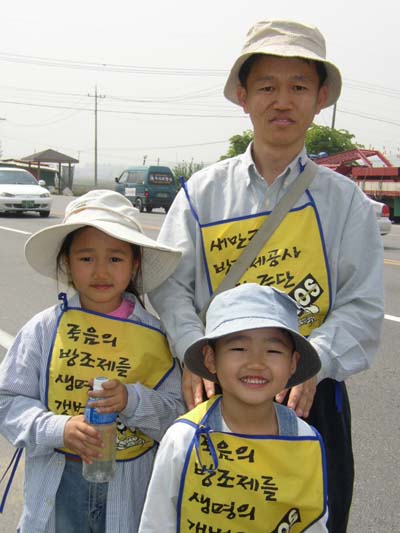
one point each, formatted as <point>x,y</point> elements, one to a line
<point>251,306</point>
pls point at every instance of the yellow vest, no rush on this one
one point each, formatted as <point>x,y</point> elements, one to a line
<point>293,260</point>
<point>87,345</point>
<point>249,484</point>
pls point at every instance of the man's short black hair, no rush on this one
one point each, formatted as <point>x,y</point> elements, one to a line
<point>245,69</point>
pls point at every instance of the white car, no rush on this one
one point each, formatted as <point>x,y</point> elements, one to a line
<point>382,213</point>
<point>20,192</point>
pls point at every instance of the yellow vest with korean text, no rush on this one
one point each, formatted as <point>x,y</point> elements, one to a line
<point>293,260</point>
<point>87,345</point>
<point>249,483</point>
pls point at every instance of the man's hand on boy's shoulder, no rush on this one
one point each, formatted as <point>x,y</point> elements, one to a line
<point>193,387</point>
<point>301,397</point>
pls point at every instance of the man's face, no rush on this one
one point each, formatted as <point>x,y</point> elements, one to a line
<point>282,97</point>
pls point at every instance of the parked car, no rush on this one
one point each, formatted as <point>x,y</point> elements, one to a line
<point>382,213</point>
<point>147,187</point>
<point>20,192</point>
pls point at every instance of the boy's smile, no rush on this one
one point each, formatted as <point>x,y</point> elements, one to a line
<point>252,366</point>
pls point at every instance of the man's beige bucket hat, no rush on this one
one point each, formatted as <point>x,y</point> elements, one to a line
<point>285,38</point>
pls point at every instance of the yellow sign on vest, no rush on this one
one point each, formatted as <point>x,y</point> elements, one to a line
<point>293,260</point>
<point>87,345</point>
<point>250,484</point>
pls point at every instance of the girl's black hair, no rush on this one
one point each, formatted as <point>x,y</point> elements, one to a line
<point>65,250</point>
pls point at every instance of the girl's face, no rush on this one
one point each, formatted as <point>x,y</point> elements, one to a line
<point>101,268</point>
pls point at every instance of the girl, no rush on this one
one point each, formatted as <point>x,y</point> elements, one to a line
<point>102,330</point>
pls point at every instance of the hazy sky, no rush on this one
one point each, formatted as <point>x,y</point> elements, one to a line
<point>162,65</point>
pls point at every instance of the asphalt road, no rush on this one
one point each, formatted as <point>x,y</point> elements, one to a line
<point>374,394</point>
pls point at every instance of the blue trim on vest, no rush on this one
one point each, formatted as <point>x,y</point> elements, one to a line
<point>196,217</point>
<point>252,215</point>
<point>13,464</point>
<point>192,209</point>
<point>321,234</point>
<point>339,396</point>
<point>324,472</point>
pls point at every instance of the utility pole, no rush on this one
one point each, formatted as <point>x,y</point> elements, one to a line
<point>95,96</point>
<point>333,116</point>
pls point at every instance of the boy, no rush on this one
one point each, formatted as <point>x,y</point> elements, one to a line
<point>239,462</point>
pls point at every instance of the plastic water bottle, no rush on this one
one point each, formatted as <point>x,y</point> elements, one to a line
<point>102,469</point>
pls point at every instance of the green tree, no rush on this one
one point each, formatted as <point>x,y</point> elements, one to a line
<point>325,139</point>
<point>186,169</point>
<point>318,139</point>
<point>238,144</point>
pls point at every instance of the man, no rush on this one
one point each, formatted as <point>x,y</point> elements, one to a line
<point>326,253</point>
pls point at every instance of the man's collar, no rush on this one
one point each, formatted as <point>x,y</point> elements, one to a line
<point>291,172</point>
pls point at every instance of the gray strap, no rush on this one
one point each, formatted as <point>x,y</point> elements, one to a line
<point>264,233</point>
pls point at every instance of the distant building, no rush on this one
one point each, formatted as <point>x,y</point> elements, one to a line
<point>65,174</point>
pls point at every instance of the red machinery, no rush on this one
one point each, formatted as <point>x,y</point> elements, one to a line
<point>373,173</point>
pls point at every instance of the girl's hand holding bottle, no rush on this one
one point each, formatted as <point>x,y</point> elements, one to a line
<point>81,438</point>
<point>113,397</point>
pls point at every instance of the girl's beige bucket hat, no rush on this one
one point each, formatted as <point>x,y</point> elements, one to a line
<point>112,213</point>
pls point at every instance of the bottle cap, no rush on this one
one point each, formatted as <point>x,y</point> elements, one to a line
<point>98,383</point>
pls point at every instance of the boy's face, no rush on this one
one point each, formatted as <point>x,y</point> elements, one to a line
<point>254,365</point>
<point>282,97</point>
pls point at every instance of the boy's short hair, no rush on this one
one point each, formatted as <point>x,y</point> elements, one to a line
<point>251,306</point>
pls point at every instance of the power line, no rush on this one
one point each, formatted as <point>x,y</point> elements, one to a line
<point>108,67</point>
<point>372,88</point>
<point>118,111</point>
<point>199,93</point>
<point>46,123</point>
<point>130,149</point>
<point>157,70</point>
<point>186,115</point>
<point>369,117</point>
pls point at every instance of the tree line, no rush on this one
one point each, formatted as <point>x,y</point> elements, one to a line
<point>320,140</point>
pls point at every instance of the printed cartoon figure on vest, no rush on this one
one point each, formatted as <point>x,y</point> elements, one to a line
<point>291,518</point>
<point>307,294</point>
<point>126,438</point>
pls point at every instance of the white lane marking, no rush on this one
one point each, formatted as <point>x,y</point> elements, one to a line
<point>16,230</point>
<point>393,318</point>
<point>5,339</point>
